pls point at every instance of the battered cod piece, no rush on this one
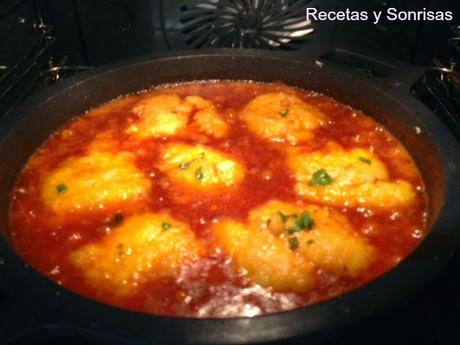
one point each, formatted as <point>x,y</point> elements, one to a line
<point>160,115</point>
<point>144,247</point>
<point>207,119</point>
<point>321,235</point>
<point>200,168</point>
<point>169,114</point>
<point>282,117</point>
<point>265,258</point>
<point>94,181</point>
<point>353,178</point>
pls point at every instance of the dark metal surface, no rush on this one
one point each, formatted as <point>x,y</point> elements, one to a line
<point>439,89</point>
<point>36,68</point>
<point>269,24</point>
<point>387,99</point>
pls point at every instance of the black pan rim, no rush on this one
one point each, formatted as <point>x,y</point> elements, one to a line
<point>449,147</point>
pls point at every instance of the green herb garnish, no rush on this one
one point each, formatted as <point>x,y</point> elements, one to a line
<point>61,188</point>
<point>199,174</point>
<point>310,242</point>
<point>320,178</point>
<point>365,160</point>
<point>184,165</point>
<point>284,112</point>
<point>285,217</point>
<point>165,226</point>
<point>115,221</point>
<point>296,228</point>
<point>293,243</point>
<point>120,249</point>
<point>305,221</point>
<point>302,222</point>
<point>293,229</point>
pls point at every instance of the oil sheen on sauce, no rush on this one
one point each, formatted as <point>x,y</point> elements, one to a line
<point>211,286</point>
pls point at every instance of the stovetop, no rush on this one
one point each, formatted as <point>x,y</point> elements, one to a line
<point>49,41</point>
<point>430,317</point>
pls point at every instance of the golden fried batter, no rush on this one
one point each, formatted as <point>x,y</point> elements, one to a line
<point>143,247</point>
<point>207,119</point>
<point>321,235</point>
<point>93,181</point>
<point>282,117</point>
<point>266,259</point>
<point>160,115</point>
<point>354,178</point>
<point>169,114</point>
<point>200,168</point>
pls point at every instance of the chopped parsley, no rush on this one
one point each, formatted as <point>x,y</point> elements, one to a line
<point>296,223</point>
<point>305,221</point>
<point>165,226</point>
<point>310,242</point>
<point>199,174</point>
<point>293,229</point>
<point>283,217</point>
<point>365,160</point>
<point>120,249</point>
<point>184,165</point>
<point>116,220</point>
<point>61,188</point>
<point>293,243</point>
<point>320,178</point>
<point>284,112</point>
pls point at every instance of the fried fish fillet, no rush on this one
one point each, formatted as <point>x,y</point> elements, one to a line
<point>200,168</point>
<point>143,247</point>
<point>282,117</point>
<point>353,178</point>
<point>169,114</point>
<point>93,181</point>
<point>266,258</point>
<point>324,237</point>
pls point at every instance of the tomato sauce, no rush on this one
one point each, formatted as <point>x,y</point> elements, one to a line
<point>211,287</point>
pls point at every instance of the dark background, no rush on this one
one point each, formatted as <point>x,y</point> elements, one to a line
<point>94,32</point>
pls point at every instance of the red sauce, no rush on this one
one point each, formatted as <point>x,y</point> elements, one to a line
<point>211,287</point>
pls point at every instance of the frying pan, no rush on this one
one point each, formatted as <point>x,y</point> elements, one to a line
<point>386,98</point>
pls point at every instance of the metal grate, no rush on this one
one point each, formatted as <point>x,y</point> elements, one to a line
<point>36,69</point>
<point>271,24</point>
<point>439,88</point>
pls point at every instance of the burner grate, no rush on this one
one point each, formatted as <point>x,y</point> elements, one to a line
<point>36,69</point>
<point>439,89</point>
